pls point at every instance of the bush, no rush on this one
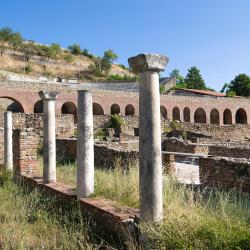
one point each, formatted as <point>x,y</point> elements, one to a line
<point>28,69</point>
<point>100,134</point>
<point>127,78</point>
<point>115,121</point>
<point>68,58</point>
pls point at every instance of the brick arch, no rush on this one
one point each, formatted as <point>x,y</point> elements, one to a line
<point>115,109</point>
<point>227,116</point>
<point>241,116</point>
<point>38,107</point>
<point>164,112</point>
<point>200,116</point>
<point>130,110</point>
<point>186,114</point>
<point>176,114</point>
<point>97,109</point>
<point>16,106</point>
<point>69,108</point>
<point>215,117</point>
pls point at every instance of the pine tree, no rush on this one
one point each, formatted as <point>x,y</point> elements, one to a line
<point>194,79</point>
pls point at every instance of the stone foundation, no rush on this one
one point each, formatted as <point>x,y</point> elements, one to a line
<point>225,173</point>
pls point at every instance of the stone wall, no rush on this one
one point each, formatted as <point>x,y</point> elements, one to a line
<point>25,151</point>
<point>1,146</point>
<point>182,146</point>
<point>225,173</point>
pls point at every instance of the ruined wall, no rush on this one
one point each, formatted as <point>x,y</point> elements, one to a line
<point>225,172</point>
<point>25,151</point>
<point>229,151</point>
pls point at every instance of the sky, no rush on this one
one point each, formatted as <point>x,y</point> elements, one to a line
<point>213,35</point>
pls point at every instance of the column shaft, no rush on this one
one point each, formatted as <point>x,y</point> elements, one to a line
<point>150,147</point>
<point>85,145</point>
<point>49,141</point>
<point>8,150</point>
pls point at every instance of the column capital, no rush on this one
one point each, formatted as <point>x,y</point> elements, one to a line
<point>148,62</point>
<point>48,95</point>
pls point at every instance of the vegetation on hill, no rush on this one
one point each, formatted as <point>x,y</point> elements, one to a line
<point>26,56</point>
<point>240,86</point>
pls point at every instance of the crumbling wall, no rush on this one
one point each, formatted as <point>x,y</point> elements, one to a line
<point>225,173</point>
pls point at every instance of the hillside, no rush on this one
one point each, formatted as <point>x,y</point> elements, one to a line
<point>76,67</point>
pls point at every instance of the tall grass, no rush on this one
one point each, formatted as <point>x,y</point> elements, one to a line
<point>31,220</point>
<point>193,219</point>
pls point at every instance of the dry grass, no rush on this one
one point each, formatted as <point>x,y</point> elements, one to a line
<point>208,219</point>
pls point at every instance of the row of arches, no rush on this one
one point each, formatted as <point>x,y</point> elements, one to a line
<point>200,115</point>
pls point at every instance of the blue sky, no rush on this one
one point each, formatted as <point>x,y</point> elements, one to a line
<point>213,35</point>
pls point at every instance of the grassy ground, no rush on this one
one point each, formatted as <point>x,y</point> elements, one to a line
<point>209,219</point>
<point>29,220</point>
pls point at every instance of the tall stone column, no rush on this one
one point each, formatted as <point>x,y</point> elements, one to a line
<point>8,150</point>
<point>49,135</point>
<point>85,145</point>
<point>150,166</point>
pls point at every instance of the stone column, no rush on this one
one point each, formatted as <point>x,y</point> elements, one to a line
<point>149,66</point>
<point>49,135</point>
<point>8,150</point>
<point>85,145</point>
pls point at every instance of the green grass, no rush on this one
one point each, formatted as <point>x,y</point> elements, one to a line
<point>31,220</point>
<point>208,219</point>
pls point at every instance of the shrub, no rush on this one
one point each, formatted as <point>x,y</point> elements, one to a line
<point>115,121</point>
<point>28,69</point>
<point>100,134</point>
<point>117,77</point>
<point>68,58</point>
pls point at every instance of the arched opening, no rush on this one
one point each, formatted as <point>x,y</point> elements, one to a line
<point>10,104</point>
<point>164,112</point>
<point>215,117</point>
<point>200,116</point>
<point>186,114</point>
<point>38,107</point>
<point>97,109</point>
<point>227,116</point>
<point>241,116</point>
<point>115,109</point>
<point>70,108</point>
<point>129,110</point>
<point>176,114</point>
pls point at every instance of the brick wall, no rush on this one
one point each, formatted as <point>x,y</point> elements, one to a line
<point>25,151</point>
<point>227,151</point>
<point>225,172</point>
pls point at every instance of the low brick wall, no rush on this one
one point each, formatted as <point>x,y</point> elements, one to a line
<point>234,152</point>
<point>25,151</point>
<point>177,145</point>
<point>225,172</point>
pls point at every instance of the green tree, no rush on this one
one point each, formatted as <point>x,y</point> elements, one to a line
<point>180,81</point>
<point>54,50</point>
<point>240,85</point>
<point>194,79</point>
<point>75,49</point>
<point>16,40</point>
<point>108,58</point>
<point>5,38</point>
<point>28,49</point>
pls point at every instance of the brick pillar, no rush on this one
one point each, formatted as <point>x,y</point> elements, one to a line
<point>168,162</point>
<point>25,151</point>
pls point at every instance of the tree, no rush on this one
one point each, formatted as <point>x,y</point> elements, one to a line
<point>54,50</point>
<point>180,82</point>
<point>108,58</point>
<point>29,50</point>
<point>5,38</point>
<point>240,85</point>
<point>194,79</point>
<point>75,49</point>
<point>16,40</point>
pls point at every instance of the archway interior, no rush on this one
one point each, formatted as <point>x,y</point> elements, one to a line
<point>215,117</point>
<point>186,114</point>
<point>164,112</point>
<point>38,108</point>
<point>70,108</point>
<point>10,104</point>
<point>200,116</point>
<point>241,116</point>
<point>176,114</point>
<point>129,110</point>
<point>97,109</point>
<point>115,109</point>
<point>227,116</point>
